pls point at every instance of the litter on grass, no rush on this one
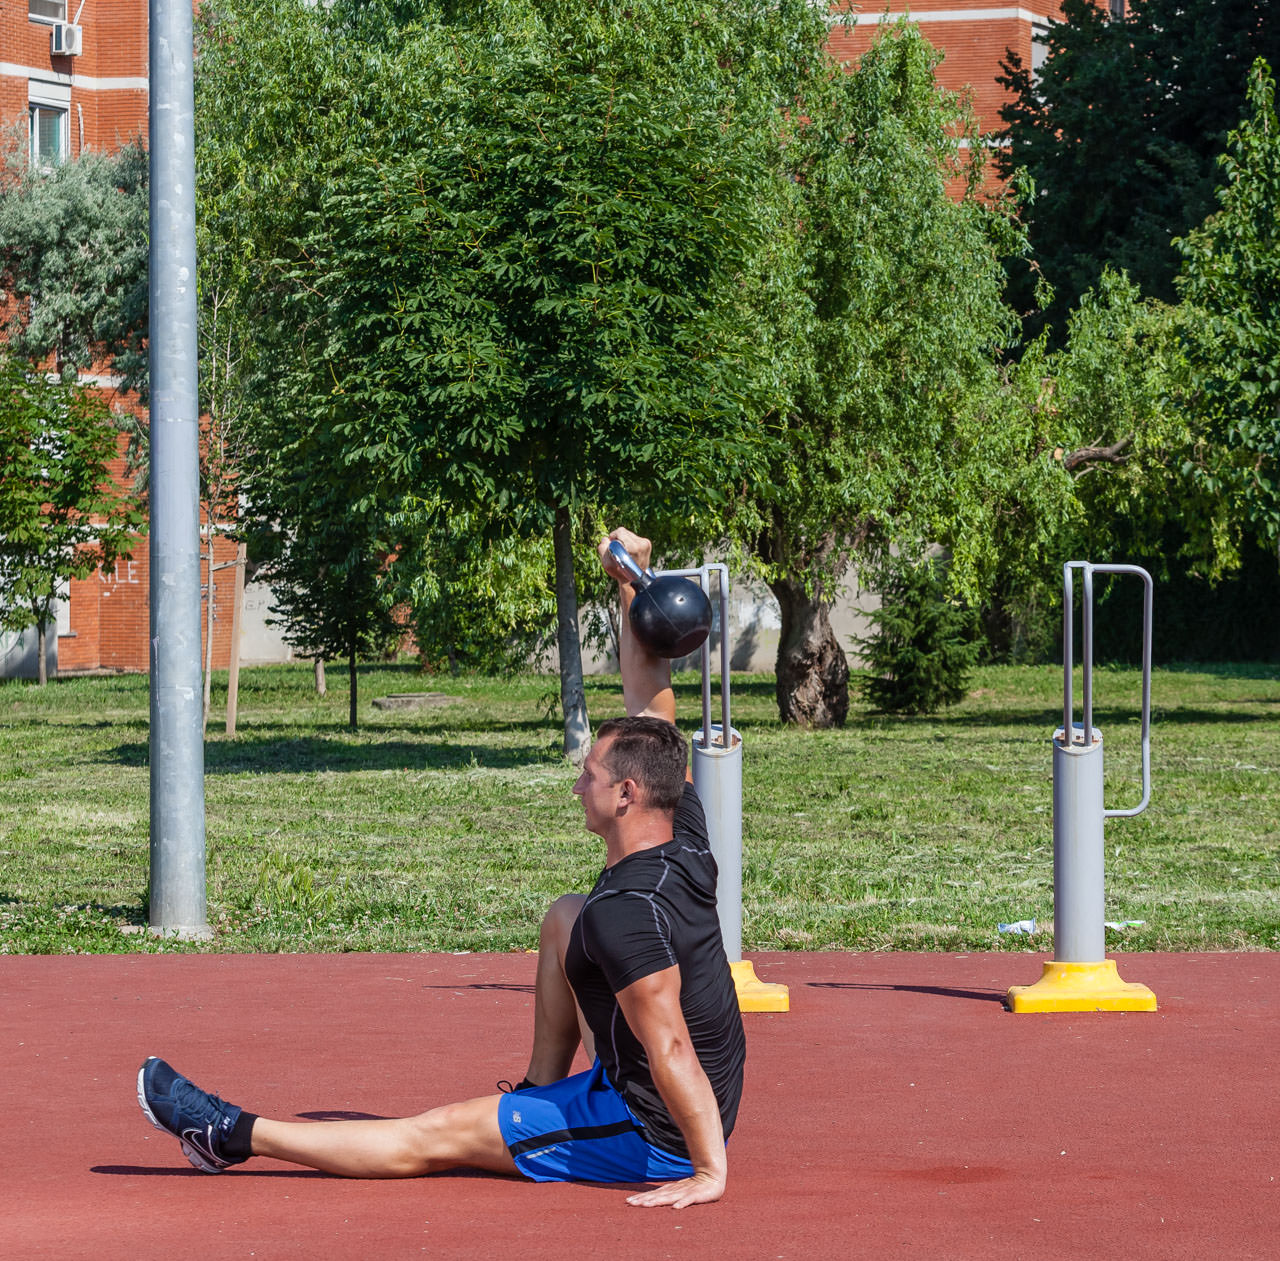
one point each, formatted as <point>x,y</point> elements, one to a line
<point>1027,926</point>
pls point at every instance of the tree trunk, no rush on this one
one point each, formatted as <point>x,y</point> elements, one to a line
<point>42,642</point>
<point>573,700</point>
<point>321,687</point>
<point>812,670</point>
<point>351,674</point>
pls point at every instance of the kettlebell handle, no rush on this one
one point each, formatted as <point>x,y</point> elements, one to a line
<point>642,577</point>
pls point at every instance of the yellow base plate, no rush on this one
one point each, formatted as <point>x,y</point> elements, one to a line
<point>756,995</point>
<point>1080,987</point>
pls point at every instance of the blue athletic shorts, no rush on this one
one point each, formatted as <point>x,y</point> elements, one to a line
<point>581,1130</point>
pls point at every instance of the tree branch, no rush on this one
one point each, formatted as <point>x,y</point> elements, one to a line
<point>1090,456</point>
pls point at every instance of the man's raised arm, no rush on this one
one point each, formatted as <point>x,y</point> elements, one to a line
<point>646,677</point>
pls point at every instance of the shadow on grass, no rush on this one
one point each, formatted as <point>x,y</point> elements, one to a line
<point>1049,720</point>
<point>1261,670</point>
<point>306,754</point>
<point>124,913</point>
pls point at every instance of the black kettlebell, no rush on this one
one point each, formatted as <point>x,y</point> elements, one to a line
<point>671,616</point>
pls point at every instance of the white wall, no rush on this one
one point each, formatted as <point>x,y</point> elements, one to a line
<point>18,653</point>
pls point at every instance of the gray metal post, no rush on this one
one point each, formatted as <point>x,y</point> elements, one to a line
<point>717,775</point>
<point>1079,933</point>
<point>177,749</point>
<point>1079,929</point>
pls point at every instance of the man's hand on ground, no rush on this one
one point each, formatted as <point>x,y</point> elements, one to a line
<point>702,1188</point>
<point>641,550</point>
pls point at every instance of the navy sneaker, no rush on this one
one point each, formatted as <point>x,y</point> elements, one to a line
<point>200,1122</point>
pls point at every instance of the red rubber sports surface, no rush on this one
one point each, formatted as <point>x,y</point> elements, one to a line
<point>896,1111</point>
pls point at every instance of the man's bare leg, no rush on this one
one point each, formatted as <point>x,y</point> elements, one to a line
<point>558,1027</point>
<point>456,1134</point>
<point>460,1133</point>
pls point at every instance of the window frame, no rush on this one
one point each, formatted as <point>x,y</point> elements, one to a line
<point>44,18</point>
<point>49,99</point>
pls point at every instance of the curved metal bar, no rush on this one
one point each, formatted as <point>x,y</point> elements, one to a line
<point>1068,652</point>
<point>1148,600</point>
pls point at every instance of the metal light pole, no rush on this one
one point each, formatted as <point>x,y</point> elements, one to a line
<point>177,746</point>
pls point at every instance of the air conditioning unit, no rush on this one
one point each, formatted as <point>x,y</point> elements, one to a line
<point>66,40</point>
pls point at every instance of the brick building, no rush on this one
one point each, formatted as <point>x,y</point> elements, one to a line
<point>76,71</point>
<point>73,78</point>
<point>974,36</point>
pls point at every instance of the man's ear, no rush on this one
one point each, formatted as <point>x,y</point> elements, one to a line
<point>628,792</point>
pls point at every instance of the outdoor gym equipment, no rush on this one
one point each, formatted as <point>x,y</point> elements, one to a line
<point>1080,977</point>
<point>669,615</point>
<point>717,776</point>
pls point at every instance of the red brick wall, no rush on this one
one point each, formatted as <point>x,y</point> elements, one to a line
<point>107,80</point>
<point>110,614</point>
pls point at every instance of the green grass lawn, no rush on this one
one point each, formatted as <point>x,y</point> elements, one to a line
<point>451,828</point>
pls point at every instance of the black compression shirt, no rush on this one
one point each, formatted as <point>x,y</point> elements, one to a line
<point>647,912</point>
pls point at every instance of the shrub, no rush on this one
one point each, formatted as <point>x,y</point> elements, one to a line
<point>924,643</point>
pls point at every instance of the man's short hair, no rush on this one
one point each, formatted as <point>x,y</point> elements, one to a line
<point>651,752</point>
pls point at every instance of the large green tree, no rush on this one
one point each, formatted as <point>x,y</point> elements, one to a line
<point>883,297</point>
<point>1230,324</point>
<point>1120,130</point>
<point>61,513</point>
<point>516,282</point>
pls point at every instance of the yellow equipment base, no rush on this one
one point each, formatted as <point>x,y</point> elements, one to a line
<point>1080,987</point>
<point>756,995</point>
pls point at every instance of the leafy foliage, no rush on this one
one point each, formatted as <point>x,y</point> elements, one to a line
<point>1079,454</point>
<point>61,515</point>
<point>1120,132</point>
<point>328,574</point>
<point>73,257</point>
<point>924,643</point>
<point>478,600</point>
<point>883,308</point>
<point>1230,285</point>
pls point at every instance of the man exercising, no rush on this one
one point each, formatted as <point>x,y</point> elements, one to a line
<point>635,971</point>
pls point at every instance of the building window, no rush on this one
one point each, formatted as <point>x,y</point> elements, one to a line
<point>48,135</point>
<point>47,10</point>
<point>1117,8</point>
<point>1039,49</point>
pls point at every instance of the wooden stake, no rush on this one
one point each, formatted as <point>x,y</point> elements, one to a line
<point>233,679</point>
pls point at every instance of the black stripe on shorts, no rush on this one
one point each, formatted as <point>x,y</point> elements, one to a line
<point>567,1136</point>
